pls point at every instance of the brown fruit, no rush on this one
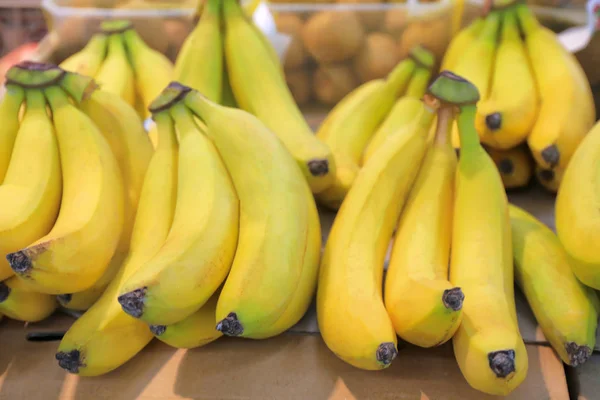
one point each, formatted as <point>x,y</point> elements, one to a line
<point>395,21</point>
<point>372,20</point>
<point>332,83</point>
<point>299,83</point>
<point>432,34</point>
<point>377,57</point>
<point>291,24</point>
<point>333,36</point>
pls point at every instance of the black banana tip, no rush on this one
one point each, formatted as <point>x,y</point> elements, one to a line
<point>502,362</point>
<point>506,166</point>
<point>318,167</point>
<point>453,298</point>
<point>551,155</point>
<point>577,354</point>
<point>4,292</point>
<point>64,299</point>
<point>19,262</point>
<point>231,325</point>
<point>494,121</point>
<point>547,175</point>
<point>386,352</point>
<point>158,330</point>
<point>70,361</point>
<point>133,302</point>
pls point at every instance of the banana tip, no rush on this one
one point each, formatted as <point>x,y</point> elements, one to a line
<point>577,354</point>
<point>4,292</point>
<point>318,167</point>
<point>64,299</point>
<point>231,325</point>
<point>551,155</point>
<point>70,361</point>
<point>502,362</point>
<point>20,262</point>
<point>506,166</point>
<point>158,330</point>
<point>493,121</point>
<point>386,352</point>
<point>453,298</point>
<point>133,302</point>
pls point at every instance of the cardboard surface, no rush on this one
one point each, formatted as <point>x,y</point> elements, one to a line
<point>291,366</point>
<point>586,379</point>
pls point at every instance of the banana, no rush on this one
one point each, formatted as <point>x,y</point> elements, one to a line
<point>274,271</point>
<point>31,191</point>
<point>105,337</point>
<point>199,250</point>
<point>543,269</point>
<point>115,75</point>
<point>199,64</point>
<point>260,88</point>
<point>567,111</point>
<point>194,331</point>
<point>424,307</point>
<point>18,302</point>
<point>78,249</point>
<point>487,345</point>
<point>549,178</point>
<point>461,42</point>
<point>576,210</point>
<point>477,62</point>
<point>149,81</point>
<point>350,310</point>
<point>404,112</point>
<point>10,116</point>
<point>515,166</point>
<point>89,59</point>
<point>227,96</point>
<point>505,118</point>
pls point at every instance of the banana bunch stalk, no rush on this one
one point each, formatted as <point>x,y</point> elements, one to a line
<point>532,91</point>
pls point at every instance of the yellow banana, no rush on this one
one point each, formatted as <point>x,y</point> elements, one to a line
<point>487,345</point>
<point>78,249</point>
<point>577,210</point>
<point>461,42</point>
<point>18,302</point>
<point>567,111</point>
<point>260,88</point>
<point>199,250</point>
<point>10,117</point>
<point>152,70</point>
<point>515,166</point>
<point>403,113</point>
<point>542,270</point>
<point>115,75</point>
<point>549,178</point>
<point>105,337</point>
<point>31,191</point>
<point>424,307</point>
<point>194,331</point>
<point>279,235</point>
<point>507,115</point>
<point>199,64</point>
<point>351,314</point>
<point>89,59</point>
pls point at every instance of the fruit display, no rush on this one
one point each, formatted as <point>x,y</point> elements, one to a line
<point>549,105</point>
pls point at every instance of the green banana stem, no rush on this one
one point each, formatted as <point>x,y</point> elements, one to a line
<point>170,96</point>
<point>212,9</point>
<point>422,56</point>
<point>56,97</point>
<point>115,26</point>
<point>32,75</point>
<point>453,89</point>
<point>183,117</point>
<point>398,79</point>
<point>527,20</point>
<point>34,98</point>
<point>510,26</point>
<point>198,104</point>
<point>231,8</point>
<point>418,83</point>
<point>79,87</point>
<point>167,135</point>
<point>469,138</point>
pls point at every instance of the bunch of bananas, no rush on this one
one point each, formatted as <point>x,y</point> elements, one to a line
<point>532,90</point>
<point>122,64</point>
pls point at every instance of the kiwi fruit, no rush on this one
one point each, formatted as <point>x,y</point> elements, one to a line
<point>333,36</point>
<point>377,57</point>
<point>291,24</point>
<point>331,83</point>
<point>299,82</point>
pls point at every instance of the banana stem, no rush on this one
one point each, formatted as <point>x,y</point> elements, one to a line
<point>184,119</point>
<point>115,26</point>
<point>34,99</point>
<point>171,95</point>
<point>422,56</point>
<point>469,138</point>
<point>527,20</point>
<point>79,87</point>
<point>33,75</point>
<point>167,137</point>
<point>231,8</point>
<point>398,79</point>
<point>444,125</point>
<point>56,97</point>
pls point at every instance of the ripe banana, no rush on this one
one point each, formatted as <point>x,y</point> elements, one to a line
<point>78,249</point>
<point>273,275</point>
<point>487,345</point>
<point>199,250</point>
<point>260,88</point>
<point>515,166</point>
<point>350,310</point>
<point>105,337</point>
<point>10,116</point>
<point>194,331</point>
<point>18,302</point>
<point>505,118</point>
<point>424,307</point>
<point>461,42</point>
<point>115,75</point>
<point>403,113</point>
<point>567,111</point>
<point>89,59</point>
<point>31,191</point>
<point>152,70</point>
<point>550,178</point>
<point>577,210</point>
<point>542,269</point>
<point>199,64</point>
